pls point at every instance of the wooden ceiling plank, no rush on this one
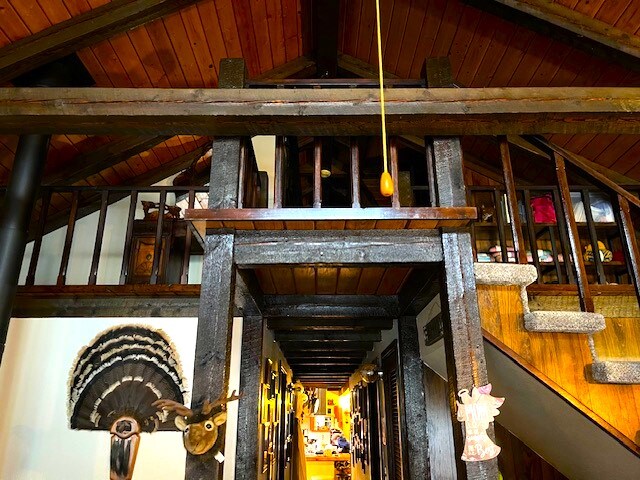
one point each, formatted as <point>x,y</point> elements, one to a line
<point>325,36</point>
<point>199,46</point>
<point>81,31</point>
<point>289,9</point>
<point>343,324</point>
<point>354,111</point>
<point>467,24</point>
<point>571,27</point>
<point>351,25</point>
<point>92,162</point>
<point>447,30</point>
<point>275,22</point>
<point>366,31</point>
<point>244,22</point>
<point>261,30</point>
<point>411,37</point>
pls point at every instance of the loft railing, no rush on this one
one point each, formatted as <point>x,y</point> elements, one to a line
<point>539,225</point>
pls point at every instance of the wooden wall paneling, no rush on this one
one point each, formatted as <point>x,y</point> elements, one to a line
<point>242,14</point>
<point>348,279</point>
<point>500,43</point>
<point>427,34</point>
<point>366,31</point>
<point>469,19</point>
<point>183,50</point>
<point>513,55</point>
<point>261,27</point>
<point>292,31</point>
<point>447,30</point>
<point>477,50</point>
<point>276,32</point>
<point>396,34</point>
<point>413,28</point>
<point>351,26</point>
<point>532,58</point>
<point>369,280</point>
<point>195,32</point>
<point>560,360</point>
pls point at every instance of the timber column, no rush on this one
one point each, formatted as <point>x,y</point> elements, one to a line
<point>24,182</point>
<point>215,318</point>
<point>464,348</point>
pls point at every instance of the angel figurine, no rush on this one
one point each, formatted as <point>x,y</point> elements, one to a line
<point>477,411</point>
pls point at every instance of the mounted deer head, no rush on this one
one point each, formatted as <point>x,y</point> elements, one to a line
<point>200,429</point>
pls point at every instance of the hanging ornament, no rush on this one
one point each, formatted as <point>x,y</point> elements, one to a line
<point>477,412</point>
<point>386,182</point>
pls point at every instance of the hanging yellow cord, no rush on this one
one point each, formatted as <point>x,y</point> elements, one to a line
<point>386,183</point>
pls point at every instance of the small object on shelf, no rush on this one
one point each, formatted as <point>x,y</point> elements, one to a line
<point>151,210</point>
<point>487,214</point>
<point>605,255</point>
<point>542,208</point>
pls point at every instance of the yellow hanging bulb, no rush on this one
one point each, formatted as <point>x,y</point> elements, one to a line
<point>386,182</point>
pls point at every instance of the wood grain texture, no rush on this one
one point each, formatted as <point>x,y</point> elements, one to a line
<point>444,111</point>
<point>560,360</point>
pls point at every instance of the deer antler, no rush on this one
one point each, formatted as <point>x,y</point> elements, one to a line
<point>222,401</point>
<point>173,406</point>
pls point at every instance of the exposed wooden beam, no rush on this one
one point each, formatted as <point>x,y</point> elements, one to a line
<point>312,347</point>
<point>331,337</point>
<point>569,26</point>
<point>228,112</point>
<point>359,68</point>
<point>362,247</point>
<point>81,31</point>
<point>93,162</point>
<point>421,287</point>
<point>297,68</point>
<point>326,15</point>
<point>330,324</point>
<point>334,306</point>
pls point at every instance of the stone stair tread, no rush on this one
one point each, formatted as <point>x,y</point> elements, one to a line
<point>564,322</point>
<point>616,371</point>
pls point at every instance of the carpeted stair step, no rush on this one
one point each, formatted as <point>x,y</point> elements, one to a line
<point>616,371</point>
<point>564,322</point>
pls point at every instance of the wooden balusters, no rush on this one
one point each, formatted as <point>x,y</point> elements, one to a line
<point>393,166</point>
<point>37,243</point>
<point>593,237</point>
<point>66,251</point>
<point>244,173</point>
<point>317,178</point>
<point>630,243</point>
<point>497,200</point>
<point>279,173</point>
<point>93,273</point>
<point>512,203</point>
<point>564,239</point>
<point>124,272</point>
<point>184,277</point>
<point>433,193</point>
<point>533,241</point>
<point>584,291</point>
<point>354,150</point>
<point>157,249</point>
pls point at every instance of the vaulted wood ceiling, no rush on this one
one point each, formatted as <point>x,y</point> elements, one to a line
<point>183,49</point>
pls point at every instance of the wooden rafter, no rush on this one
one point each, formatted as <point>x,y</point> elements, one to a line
<point>81,31</point>
<point>569,26</point>
<point>446,111</point>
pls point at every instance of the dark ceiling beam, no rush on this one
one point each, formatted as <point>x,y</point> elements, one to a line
<point>81,31</point>
<point>326,16</point>
<point>410,111</point>
<point>419,290</point>
<point>300,67</point>
<point>91,163</point>
<point>258,248</point>
<point>568,26</point>
<point>307,324</point>
<point>330,337</point>
<point>325,306</point>
<point>361,69</point>
<point>311,348</point>
<point>91,202</point>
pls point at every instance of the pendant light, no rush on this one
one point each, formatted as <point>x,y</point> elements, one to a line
<point>386,182</point>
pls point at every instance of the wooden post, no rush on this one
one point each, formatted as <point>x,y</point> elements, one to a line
<point>247,460</point>
<point>215,318</point>
<point>354,150</point>
<point>512,203</point>
<point>317,178</point>
<point>68,239</point>
<point>466,366</point>
<point>413,402</point>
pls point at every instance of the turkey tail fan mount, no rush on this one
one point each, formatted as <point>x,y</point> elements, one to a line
<point>114,382</point>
